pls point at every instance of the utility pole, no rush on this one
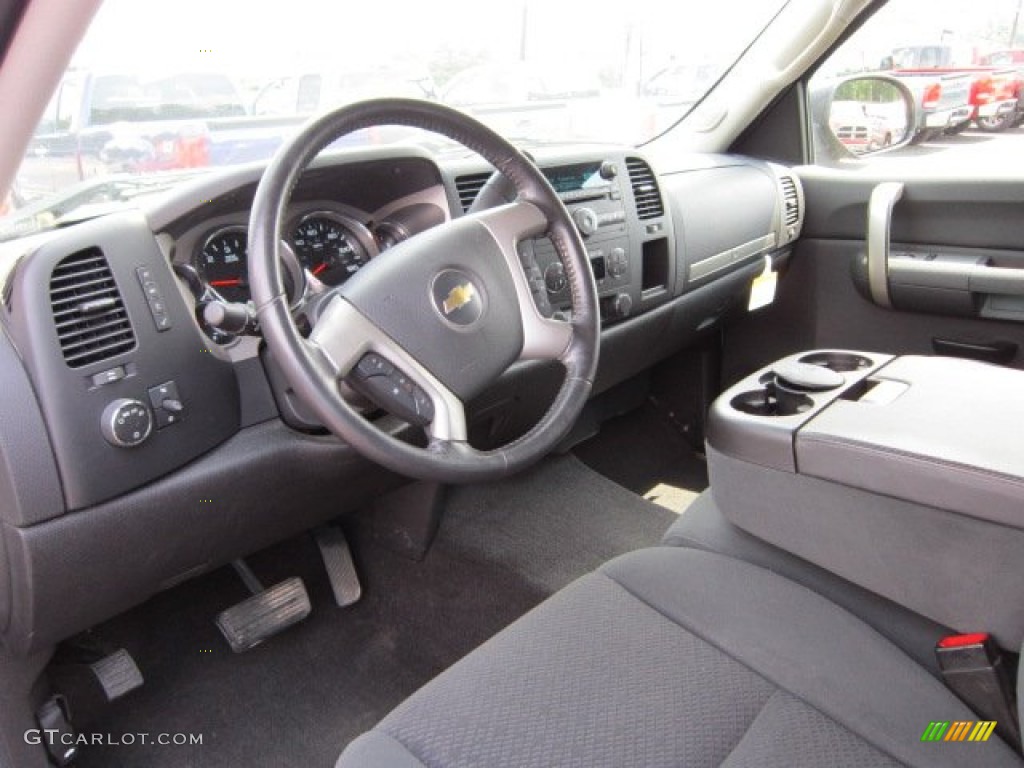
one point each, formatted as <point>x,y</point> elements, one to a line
<point>1016,20</point>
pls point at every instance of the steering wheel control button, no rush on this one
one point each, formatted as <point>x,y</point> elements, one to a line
<point>126,423</point>
<point>374,365</point>
<point>392,390</point>
<point>155,300</point>
<point>167,404</point>
<point>457,298</point>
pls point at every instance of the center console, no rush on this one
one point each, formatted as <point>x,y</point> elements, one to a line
<point>904,475</point>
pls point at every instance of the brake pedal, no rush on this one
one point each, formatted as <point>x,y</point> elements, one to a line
<point>265,614</point>
<point>341,570</point>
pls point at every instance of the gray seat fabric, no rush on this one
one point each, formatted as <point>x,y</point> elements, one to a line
<point>677,657</point>
<point>703,526</point>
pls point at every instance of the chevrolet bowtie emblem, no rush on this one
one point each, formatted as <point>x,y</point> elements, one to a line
<point>458,297</point>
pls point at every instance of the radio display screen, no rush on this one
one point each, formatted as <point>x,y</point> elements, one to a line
<point>572,178</point>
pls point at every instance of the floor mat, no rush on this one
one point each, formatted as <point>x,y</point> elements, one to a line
<point>641,451</point>
<point>552,524</point>
<point>301,697</point>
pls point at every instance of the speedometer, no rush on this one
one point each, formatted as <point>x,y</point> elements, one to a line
<point>222,263</point>
<point>331,246</point>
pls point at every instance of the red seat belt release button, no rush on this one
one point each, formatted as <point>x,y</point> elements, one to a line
<point>974,668</point>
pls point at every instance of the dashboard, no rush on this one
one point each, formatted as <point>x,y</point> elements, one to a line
<point>143,445</point>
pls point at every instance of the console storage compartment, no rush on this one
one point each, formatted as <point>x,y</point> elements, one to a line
<point>905,476</point>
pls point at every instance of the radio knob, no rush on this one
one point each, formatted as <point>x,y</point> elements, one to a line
<point>126,423</point>
<point>609,170</point>
<point>586,221</point>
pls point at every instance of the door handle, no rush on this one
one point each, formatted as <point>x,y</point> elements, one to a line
<point>883,198</point>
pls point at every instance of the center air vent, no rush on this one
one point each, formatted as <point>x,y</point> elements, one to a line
<point>469,186</point>
<point>88,311</point>
<point>645,189</point>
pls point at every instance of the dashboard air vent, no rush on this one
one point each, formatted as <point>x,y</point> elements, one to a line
<point>645,189</point>
<point>469,186</point>
<point>790,201</point>
<point>91,320</point>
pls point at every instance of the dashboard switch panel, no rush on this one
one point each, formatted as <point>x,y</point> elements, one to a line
<point>155,299</point>
<point>167,404</point>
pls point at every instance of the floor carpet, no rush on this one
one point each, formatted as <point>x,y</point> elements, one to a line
<point>643,452</point>
<point>299,698</point>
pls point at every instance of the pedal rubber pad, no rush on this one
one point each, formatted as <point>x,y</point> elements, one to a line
<point>263,615</point>
<point>341,570</point>
<point>117,674</point>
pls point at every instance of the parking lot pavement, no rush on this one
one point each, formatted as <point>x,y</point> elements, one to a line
<point>969,152</point>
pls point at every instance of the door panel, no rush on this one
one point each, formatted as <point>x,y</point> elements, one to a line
<point>819,304</point>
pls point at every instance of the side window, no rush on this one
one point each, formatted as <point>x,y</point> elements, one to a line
<point>960,73</point>
<point>48,122</point>
<point>309,94</point>
<point>69,100</point>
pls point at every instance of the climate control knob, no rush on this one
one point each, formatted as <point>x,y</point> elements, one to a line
<point>622,305</point>
<point>586,221</point>
<point>554,277</point>
<point>126,423</point>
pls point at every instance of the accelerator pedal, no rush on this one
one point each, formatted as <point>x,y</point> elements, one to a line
<point>266,613</point>
<point>341,570</point>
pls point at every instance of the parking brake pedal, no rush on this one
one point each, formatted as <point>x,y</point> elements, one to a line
<point>117,674</point>
<point>266,613</point>
<point>338,561</point>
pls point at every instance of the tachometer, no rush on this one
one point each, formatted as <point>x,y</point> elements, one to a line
<point>223,263</point>
<point>331,246</point>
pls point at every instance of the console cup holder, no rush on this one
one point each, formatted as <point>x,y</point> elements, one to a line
<point>767,402</point>
<point>787,389</point>
<point>840,362</point>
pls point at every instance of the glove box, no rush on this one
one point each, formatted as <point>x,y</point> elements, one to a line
<point>904,475</point>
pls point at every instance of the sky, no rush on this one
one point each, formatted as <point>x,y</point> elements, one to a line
<point>242,35</point>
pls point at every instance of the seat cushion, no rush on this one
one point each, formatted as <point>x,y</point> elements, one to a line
<point>703,526</point>
<point>672,657</point>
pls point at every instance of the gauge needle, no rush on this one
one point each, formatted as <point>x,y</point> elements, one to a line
<point>319,268</point>
<point>226,283</point>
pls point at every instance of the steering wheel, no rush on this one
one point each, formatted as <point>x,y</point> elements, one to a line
<point>434,320</point>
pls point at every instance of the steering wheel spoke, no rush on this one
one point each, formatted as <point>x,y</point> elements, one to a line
<point>509,225</point>
<point>376,366</point>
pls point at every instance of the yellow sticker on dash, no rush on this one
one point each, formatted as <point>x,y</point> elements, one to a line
<point>762,291</point>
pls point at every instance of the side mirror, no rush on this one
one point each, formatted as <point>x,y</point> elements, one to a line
<point>863,115</point>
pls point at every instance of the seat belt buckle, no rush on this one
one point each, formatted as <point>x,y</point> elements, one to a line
<point>974,668</point>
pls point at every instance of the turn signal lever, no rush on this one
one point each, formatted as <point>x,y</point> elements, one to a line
<point>233,318</point>
<point>219,319</point>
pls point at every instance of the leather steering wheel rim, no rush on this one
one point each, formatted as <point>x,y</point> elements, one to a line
<point>311,366</point>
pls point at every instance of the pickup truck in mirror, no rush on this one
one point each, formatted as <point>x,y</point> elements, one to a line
<point>863,115</point>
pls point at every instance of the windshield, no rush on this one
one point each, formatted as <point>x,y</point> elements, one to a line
<point>159,91</point>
